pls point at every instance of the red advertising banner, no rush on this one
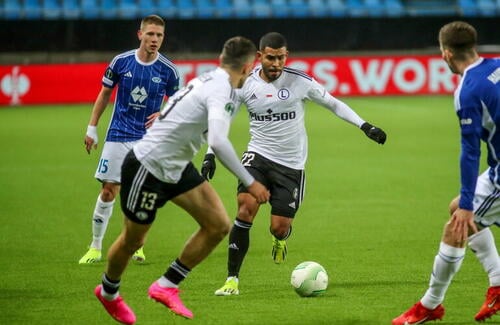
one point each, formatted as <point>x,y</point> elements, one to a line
<point>50,83</point>
<point>384,75</point>
<point>341,76</point>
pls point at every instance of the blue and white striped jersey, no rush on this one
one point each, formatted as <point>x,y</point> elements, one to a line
<point>477,103</point>
<point>141,90</point>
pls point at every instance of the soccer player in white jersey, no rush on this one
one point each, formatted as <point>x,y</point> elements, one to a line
<point>477,104</point>
<point>159,169</point>
<point>144,77</point>
<point>277,151</point>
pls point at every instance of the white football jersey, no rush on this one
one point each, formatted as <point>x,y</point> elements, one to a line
<point>177,135</point>
<point>276,113</point>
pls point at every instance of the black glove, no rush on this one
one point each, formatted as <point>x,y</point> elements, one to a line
<point>208,166</point>
<point>374,133</point>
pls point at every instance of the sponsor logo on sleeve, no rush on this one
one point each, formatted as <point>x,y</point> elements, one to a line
<point>466,121</point>
<point>229,108</point>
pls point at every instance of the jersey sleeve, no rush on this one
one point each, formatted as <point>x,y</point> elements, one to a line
<point>220,105</point>
<point>238,99</point>
<point>469,169</point>
<point>111,75</point>
<point>220,111</point>
<point>172,83</point>
<point>318,94</point>
<point>470,118</point>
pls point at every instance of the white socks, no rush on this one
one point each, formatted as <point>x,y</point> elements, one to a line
<point>166,283</point>
<point>446,264</point>
<point>483,245</point>
<point>449,260</point>
<point>100,220</point>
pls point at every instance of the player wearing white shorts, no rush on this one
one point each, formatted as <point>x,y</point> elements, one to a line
<point>277,152</point>
<point>110,164</point>
<point>144,77</point>
<point>159,169</point>
<point>486,204</point>
<point>477,104</point>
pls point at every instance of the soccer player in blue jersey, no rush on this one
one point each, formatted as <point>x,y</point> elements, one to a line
<point>477,103</point>
<point>144,77</point>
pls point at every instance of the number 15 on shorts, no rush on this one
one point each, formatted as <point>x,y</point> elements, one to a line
<point>103,166</point>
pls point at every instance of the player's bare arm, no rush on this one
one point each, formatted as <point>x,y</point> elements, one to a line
<point>91,138</point>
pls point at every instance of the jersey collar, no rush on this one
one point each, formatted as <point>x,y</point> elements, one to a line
<point>136,54</point>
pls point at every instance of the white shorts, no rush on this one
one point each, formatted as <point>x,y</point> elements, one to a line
<point>486,202</point>
<point>110,164</point>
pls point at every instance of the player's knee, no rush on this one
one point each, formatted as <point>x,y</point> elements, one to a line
<point>247,207</point>
<point>453,205</point>
<point>280,230</point>
<point>450,237</point>
<point>108,193</point>
<point>447,236</point>
<point>246,213</point>
<point>220,230</point>
<point>225,227</point>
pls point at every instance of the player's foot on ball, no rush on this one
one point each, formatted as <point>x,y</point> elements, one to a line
<point>418,314</point>
<point>139,255</point>
<point>279,250</point>
<point>491,305</point>
<point>116,308</point>
<point>170,298</point>
<point>229,288</point>
<point>92,256</point>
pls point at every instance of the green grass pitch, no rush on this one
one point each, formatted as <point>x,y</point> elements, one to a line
<point>372,216</point>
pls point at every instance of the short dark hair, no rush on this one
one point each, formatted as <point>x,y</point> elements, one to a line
<point>152,19</point>
<point>237,51</point>
<point>459,37</point>
<point>273,40</point>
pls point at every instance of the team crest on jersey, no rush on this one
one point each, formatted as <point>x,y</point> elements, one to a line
<point>156,80</point>
<point>229,108</point>
<point>139,94</point>
<point>109,73</point>
<point>283,93</point>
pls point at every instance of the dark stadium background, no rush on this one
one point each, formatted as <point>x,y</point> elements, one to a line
<point>412,26</point>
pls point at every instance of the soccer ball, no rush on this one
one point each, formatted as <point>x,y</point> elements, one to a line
<point>309,279</point>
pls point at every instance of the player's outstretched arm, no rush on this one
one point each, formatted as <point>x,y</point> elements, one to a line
<point>374,133</point>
